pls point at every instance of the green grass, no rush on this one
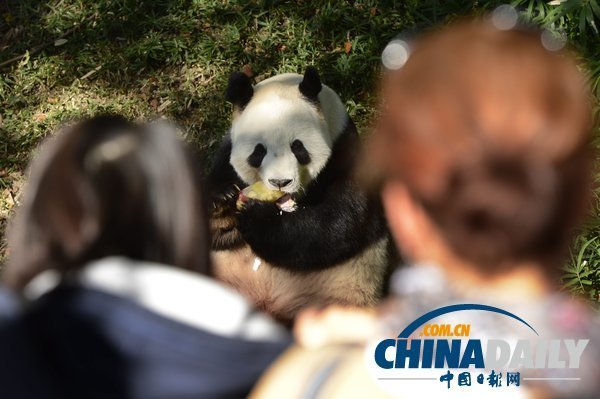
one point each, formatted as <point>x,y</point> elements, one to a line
<point>147,59</point>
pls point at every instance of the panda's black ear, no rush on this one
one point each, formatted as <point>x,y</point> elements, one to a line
<point>239,89</point>
<point>311,86</point>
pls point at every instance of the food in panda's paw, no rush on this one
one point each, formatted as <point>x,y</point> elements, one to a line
<point>260,192</point>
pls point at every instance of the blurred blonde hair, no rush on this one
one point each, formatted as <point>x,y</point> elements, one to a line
<point>490,132</point>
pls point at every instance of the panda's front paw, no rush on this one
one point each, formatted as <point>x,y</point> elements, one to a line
<point>256,216</point>
<point>226,196</point>
<point>258,210</point>
<point>245,204</point>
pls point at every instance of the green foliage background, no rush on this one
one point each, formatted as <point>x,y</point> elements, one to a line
<point>64,59</point>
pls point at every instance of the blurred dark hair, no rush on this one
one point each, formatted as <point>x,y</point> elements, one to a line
<point>104,187</point>
<point>490,132</point>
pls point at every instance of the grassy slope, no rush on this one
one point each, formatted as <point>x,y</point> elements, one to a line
<point>172,57</point>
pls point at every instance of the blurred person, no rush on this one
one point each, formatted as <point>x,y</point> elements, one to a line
<point>109,251</point>
<point>482,155</point>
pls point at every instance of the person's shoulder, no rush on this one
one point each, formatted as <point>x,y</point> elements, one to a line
<point>160,295</point>
<point>571,316</point>
<point>112,329</point>
<point>333,371</point>
<point>24,372</point>
<point>10,305</point>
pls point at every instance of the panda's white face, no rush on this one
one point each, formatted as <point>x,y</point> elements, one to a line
<point>280,138</point>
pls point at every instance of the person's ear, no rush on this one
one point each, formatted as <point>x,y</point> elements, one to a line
<point>407,221</point>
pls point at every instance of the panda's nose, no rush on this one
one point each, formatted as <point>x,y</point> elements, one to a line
<point>280,183</point>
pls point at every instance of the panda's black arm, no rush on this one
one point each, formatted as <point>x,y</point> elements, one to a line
<point>316,236</point>
<point>222,178</point>
<point>224,185</point>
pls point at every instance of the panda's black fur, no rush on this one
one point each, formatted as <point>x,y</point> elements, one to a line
<point>336,221</point>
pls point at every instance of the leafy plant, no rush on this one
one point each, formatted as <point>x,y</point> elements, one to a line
<point>582,274</point>
<point>581,15</point>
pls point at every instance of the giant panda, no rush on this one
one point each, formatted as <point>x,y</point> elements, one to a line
<point>293,133</point>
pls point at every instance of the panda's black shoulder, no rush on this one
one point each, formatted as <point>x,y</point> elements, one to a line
<point>340,167</point>
<point>222,176</point>
<point>346,147</point>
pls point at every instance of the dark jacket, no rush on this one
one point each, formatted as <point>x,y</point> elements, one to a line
<point>82,342</point>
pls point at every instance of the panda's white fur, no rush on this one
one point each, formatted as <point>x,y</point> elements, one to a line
<point>276,116</point>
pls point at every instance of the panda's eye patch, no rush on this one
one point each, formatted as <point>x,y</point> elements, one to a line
<point>300,152</point>
<point>256,158</point>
